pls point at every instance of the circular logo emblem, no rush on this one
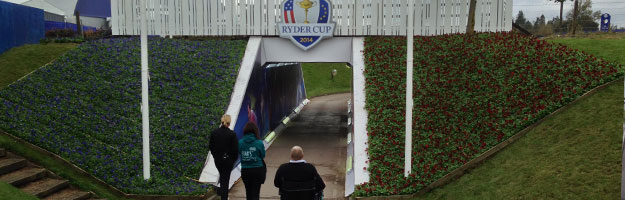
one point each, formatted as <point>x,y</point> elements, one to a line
<point>306,22</point>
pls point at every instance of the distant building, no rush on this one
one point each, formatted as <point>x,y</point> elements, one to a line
<point>66,8</point>
<point>50,12</point>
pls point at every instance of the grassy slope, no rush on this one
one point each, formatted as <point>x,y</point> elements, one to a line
<point>609,49</point>
<point>318,82</point>
<point>573,155</point>
<point>75,178</point>
<point>18,62</point>
<point>7,190</point>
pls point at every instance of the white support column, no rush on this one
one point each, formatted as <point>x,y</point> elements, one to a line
<point>145,110</point>
<point>409,61</point>
<point>114,17</point>
<point>623,159</point>
<point>360,140</point>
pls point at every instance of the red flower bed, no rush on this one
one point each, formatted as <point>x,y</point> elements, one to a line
<point>471,93</point>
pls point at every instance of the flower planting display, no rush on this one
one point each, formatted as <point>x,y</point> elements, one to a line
<point>471,92</point>
<point>85,107</point>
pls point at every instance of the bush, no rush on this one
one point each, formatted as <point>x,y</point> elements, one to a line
<point>471,92</point>
<point>98,34</point>
<point>60,33</point>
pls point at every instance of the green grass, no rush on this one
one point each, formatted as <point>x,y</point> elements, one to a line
<point>7,190</point>
<point>609,49</point>
<point>573,155</point>
<point>317,77</point>
<point>15,64</point>
<point>19,61</point>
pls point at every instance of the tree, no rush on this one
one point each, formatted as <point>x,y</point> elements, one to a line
<point>540,22</point>
<point>471,20</point>
<point>78,24</point>
<point>542,27</point>
<point>575,14</point>
<point>520,18</point>
<point>521,21</point>
<point>561,6</point>
<point>557,24</point>
<point>586,18</point>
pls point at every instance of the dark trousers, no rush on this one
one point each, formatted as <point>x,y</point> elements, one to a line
<point>224,168</point>
<point>252,179</point>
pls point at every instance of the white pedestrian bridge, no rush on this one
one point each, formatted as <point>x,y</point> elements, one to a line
<point>353,19</point>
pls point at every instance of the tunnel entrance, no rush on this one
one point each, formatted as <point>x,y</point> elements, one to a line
<point>321,130</point>
<point>270,91</point>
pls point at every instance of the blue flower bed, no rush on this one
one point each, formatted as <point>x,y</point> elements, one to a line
<point>85,107</point>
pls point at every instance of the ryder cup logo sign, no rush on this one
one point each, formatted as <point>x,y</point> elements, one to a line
<point>306,22</point>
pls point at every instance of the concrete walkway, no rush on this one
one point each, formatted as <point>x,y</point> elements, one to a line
<point>321,130</point>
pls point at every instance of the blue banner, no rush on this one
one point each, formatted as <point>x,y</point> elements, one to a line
<point>605,22</point>
<point>272,93</point>
<point>19,25</point>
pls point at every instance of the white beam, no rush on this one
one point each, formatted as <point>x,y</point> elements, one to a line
<point>409,63</point>
<point>360,139</point>
<point>336,49</point>
<point>145,110</point>
<point>623,160</point>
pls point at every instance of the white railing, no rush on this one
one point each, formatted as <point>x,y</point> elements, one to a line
<point>352,17</point>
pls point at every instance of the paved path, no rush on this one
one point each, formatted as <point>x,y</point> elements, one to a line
<point>321,131</point>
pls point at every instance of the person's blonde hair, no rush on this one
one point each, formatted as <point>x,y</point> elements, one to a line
<point>225,120</point>
<point>297,153</point>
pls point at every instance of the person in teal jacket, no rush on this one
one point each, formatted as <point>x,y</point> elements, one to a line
<point>253,168</point>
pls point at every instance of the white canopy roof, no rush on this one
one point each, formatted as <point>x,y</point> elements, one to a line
<point>41,4</point>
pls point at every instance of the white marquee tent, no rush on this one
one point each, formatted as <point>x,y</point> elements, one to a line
<point>52,13</point>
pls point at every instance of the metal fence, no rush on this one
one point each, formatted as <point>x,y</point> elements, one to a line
<point>352,17</point>
<point>19,25</point>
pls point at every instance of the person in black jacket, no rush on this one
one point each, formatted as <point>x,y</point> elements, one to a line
<point>224,147</point>
<point>298,179</point>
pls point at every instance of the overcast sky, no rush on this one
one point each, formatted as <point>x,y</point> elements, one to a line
<point>534,8</point>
